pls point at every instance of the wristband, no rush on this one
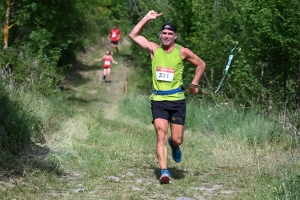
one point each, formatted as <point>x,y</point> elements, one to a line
<point>193,85</point>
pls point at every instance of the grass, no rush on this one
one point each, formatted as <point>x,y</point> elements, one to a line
<point>234,147</point>
<point>105,149</point>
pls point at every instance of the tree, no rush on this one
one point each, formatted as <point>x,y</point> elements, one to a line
<point>7,25</point>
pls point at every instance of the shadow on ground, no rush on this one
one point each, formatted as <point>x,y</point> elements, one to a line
<point>35,158</point>
<point>175,173</point>
<point>74,75</point>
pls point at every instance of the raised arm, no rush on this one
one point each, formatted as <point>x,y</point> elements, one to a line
<point>136,36</point>
<point>99,59</point>
<point>198,63</point>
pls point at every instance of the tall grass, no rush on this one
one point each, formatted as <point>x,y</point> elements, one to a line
<point>239,141</point>
<point>244,124</point>
<point>25,117</point>
<point>137,107</point>
<point>17,123</point>
<point>225,120</point>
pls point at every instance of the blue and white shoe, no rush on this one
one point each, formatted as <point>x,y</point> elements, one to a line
<point>176,152</point>
<point>165,177</point>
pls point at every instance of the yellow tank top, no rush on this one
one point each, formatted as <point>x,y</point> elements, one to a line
<point>167,70</point>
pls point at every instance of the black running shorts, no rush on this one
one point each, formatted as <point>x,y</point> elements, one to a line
<point>173,111</point>
<point>115,42</point>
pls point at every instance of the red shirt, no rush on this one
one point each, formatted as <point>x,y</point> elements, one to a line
<point>114,35</point>
<point>107,61</point>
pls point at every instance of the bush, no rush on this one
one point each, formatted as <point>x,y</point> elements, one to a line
<point>17,123</point>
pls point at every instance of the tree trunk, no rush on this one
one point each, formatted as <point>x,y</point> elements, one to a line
<point>6,26</point>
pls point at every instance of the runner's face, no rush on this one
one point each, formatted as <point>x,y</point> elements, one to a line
<point>167,37</point>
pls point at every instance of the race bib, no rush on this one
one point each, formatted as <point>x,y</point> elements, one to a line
<point>164,74</point>
<point>107,62</point>
<point>114,35</point>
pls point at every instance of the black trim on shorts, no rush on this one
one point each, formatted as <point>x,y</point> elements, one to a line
<point>173,111</point>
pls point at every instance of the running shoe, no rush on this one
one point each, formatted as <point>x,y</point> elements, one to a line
<point>176,152</point>
<point>165,176</point>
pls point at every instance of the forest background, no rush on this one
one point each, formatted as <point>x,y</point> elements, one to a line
<point>41,39</point>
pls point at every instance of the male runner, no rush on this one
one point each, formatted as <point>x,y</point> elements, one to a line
<point>168,101</point>
<point>114,36</point>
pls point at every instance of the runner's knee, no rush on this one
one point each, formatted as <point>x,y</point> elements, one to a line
<point>176,141</point>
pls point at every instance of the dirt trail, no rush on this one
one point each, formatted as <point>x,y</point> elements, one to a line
<point>115,90</point>
<point>119,75</point>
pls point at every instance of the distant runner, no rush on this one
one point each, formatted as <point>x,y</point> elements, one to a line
<point>168,104</point>
<point>114,36</point>
<point>107,65</point>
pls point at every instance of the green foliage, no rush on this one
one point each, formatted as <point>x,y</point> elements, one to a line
<point>32,68</point>
<point>282,184</point>
<point>137,107</point>
<point>269,29</point>
<point>17,123</point>
<point>264,74</point>
<point>223,119</point>
<point>288,187</point>
<point>27,116</point>
<point>54,164</point>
